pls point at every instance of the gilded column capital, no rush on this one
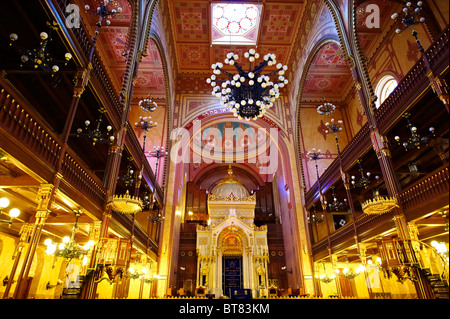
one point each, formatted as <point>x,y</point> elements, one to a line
<point>43,196</point>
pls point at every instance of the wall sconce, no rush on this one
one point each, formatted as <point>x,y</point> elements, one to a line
<point>285,268</point>
<point>13,213</point>
<point>49,286</point>
<point>6,280</point>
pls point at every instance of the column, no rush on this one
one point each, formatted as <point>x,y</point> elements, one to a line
<point>90,285</point>
<point>24,237</point>
<point>44,202</point>
<point>362,254</point>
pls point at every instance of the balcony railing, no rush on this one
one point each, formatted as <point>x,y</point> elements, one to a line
<point>427,189</point>
<point>20,122</point>
<point>81,42</point>
<point>411,86</point>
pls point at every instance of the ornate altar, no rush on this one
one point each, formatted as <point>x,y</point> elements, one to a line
<point>232,252</point>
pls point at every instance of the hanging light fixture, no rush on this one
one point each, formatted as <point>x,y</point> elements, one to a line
<point>68,249</point>
<point>145,124</point>
<point>248,94</point>
<point>147,104</point>
<point>103,12</point>
<point>364,181</point>
<point>379,204</point>
<point>96,135</point>
<point>39,58</point>
<point>326,108</point>
<point>335,204</point>
<point>128,178</point>
<point>347,272</point>
<point>158,218</point>
<point>314,218</point>
<point>324,276</point>
<point>409,18</point>
<point>158,152</point>
<point>415,141</point>
<point>126,204</point>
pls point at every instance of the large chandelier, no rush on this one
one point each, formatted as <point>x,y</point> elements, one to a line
<point>379,204</point>
<point>126,204</point>
<point>248,94</point>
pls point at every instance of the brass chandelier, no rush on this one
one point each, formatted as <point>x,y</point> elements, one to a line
<point>249,94</point>
<point>379,204</point>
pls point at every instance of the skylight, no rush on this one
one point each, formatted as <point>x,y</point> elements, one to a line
<point>235,23</point>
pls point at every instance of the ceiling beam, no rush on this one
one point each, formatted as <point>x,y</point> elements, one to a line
<point>20,181</point>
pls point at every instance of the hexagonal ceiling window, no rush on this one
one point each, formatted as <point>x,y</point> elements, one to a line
<point>235,23</point>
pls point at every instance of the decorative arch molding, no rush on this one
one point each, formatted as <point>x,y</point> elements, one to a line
<point>149,10</point>
<point>243,231</point>
<point>208,111</point>
<point>313,54</point>
<point>156,39</point>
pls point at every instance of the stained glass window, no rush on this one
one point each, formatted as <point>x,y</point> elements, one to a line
<point>235,23</point>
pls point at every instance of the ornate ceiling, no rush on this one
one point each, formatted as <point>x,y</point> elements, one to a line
<point>189,26</point>
<point>113,40</point>
<point>329,74</point>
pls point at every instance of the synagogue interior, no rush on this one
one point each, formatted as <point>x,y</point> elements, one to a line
<point>200,149</point>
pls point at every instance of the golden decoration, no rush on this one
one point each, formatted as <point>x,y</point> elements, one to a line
<point>126,204</point>
<point>379,205</point>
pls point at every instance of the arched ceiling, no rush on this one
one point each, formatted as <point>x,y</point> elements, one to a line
<point>328,75</point>
<point>113,48</point>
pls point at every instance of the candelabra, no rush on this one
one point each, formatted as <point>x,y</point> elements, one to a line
<point>68,249</point>
<point>145,125</point>
<point>409,18</point>
<point>158,218</point>
<point>40,57</point>
<point>364,181</point>
<point>13,213</point>
<point>248,94</point>
<point>148,104</point>
<point>335,204</point>
<point>415,141</point>
<point>158,152</point>
<point>96,135</point>
<point>146,201</point>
